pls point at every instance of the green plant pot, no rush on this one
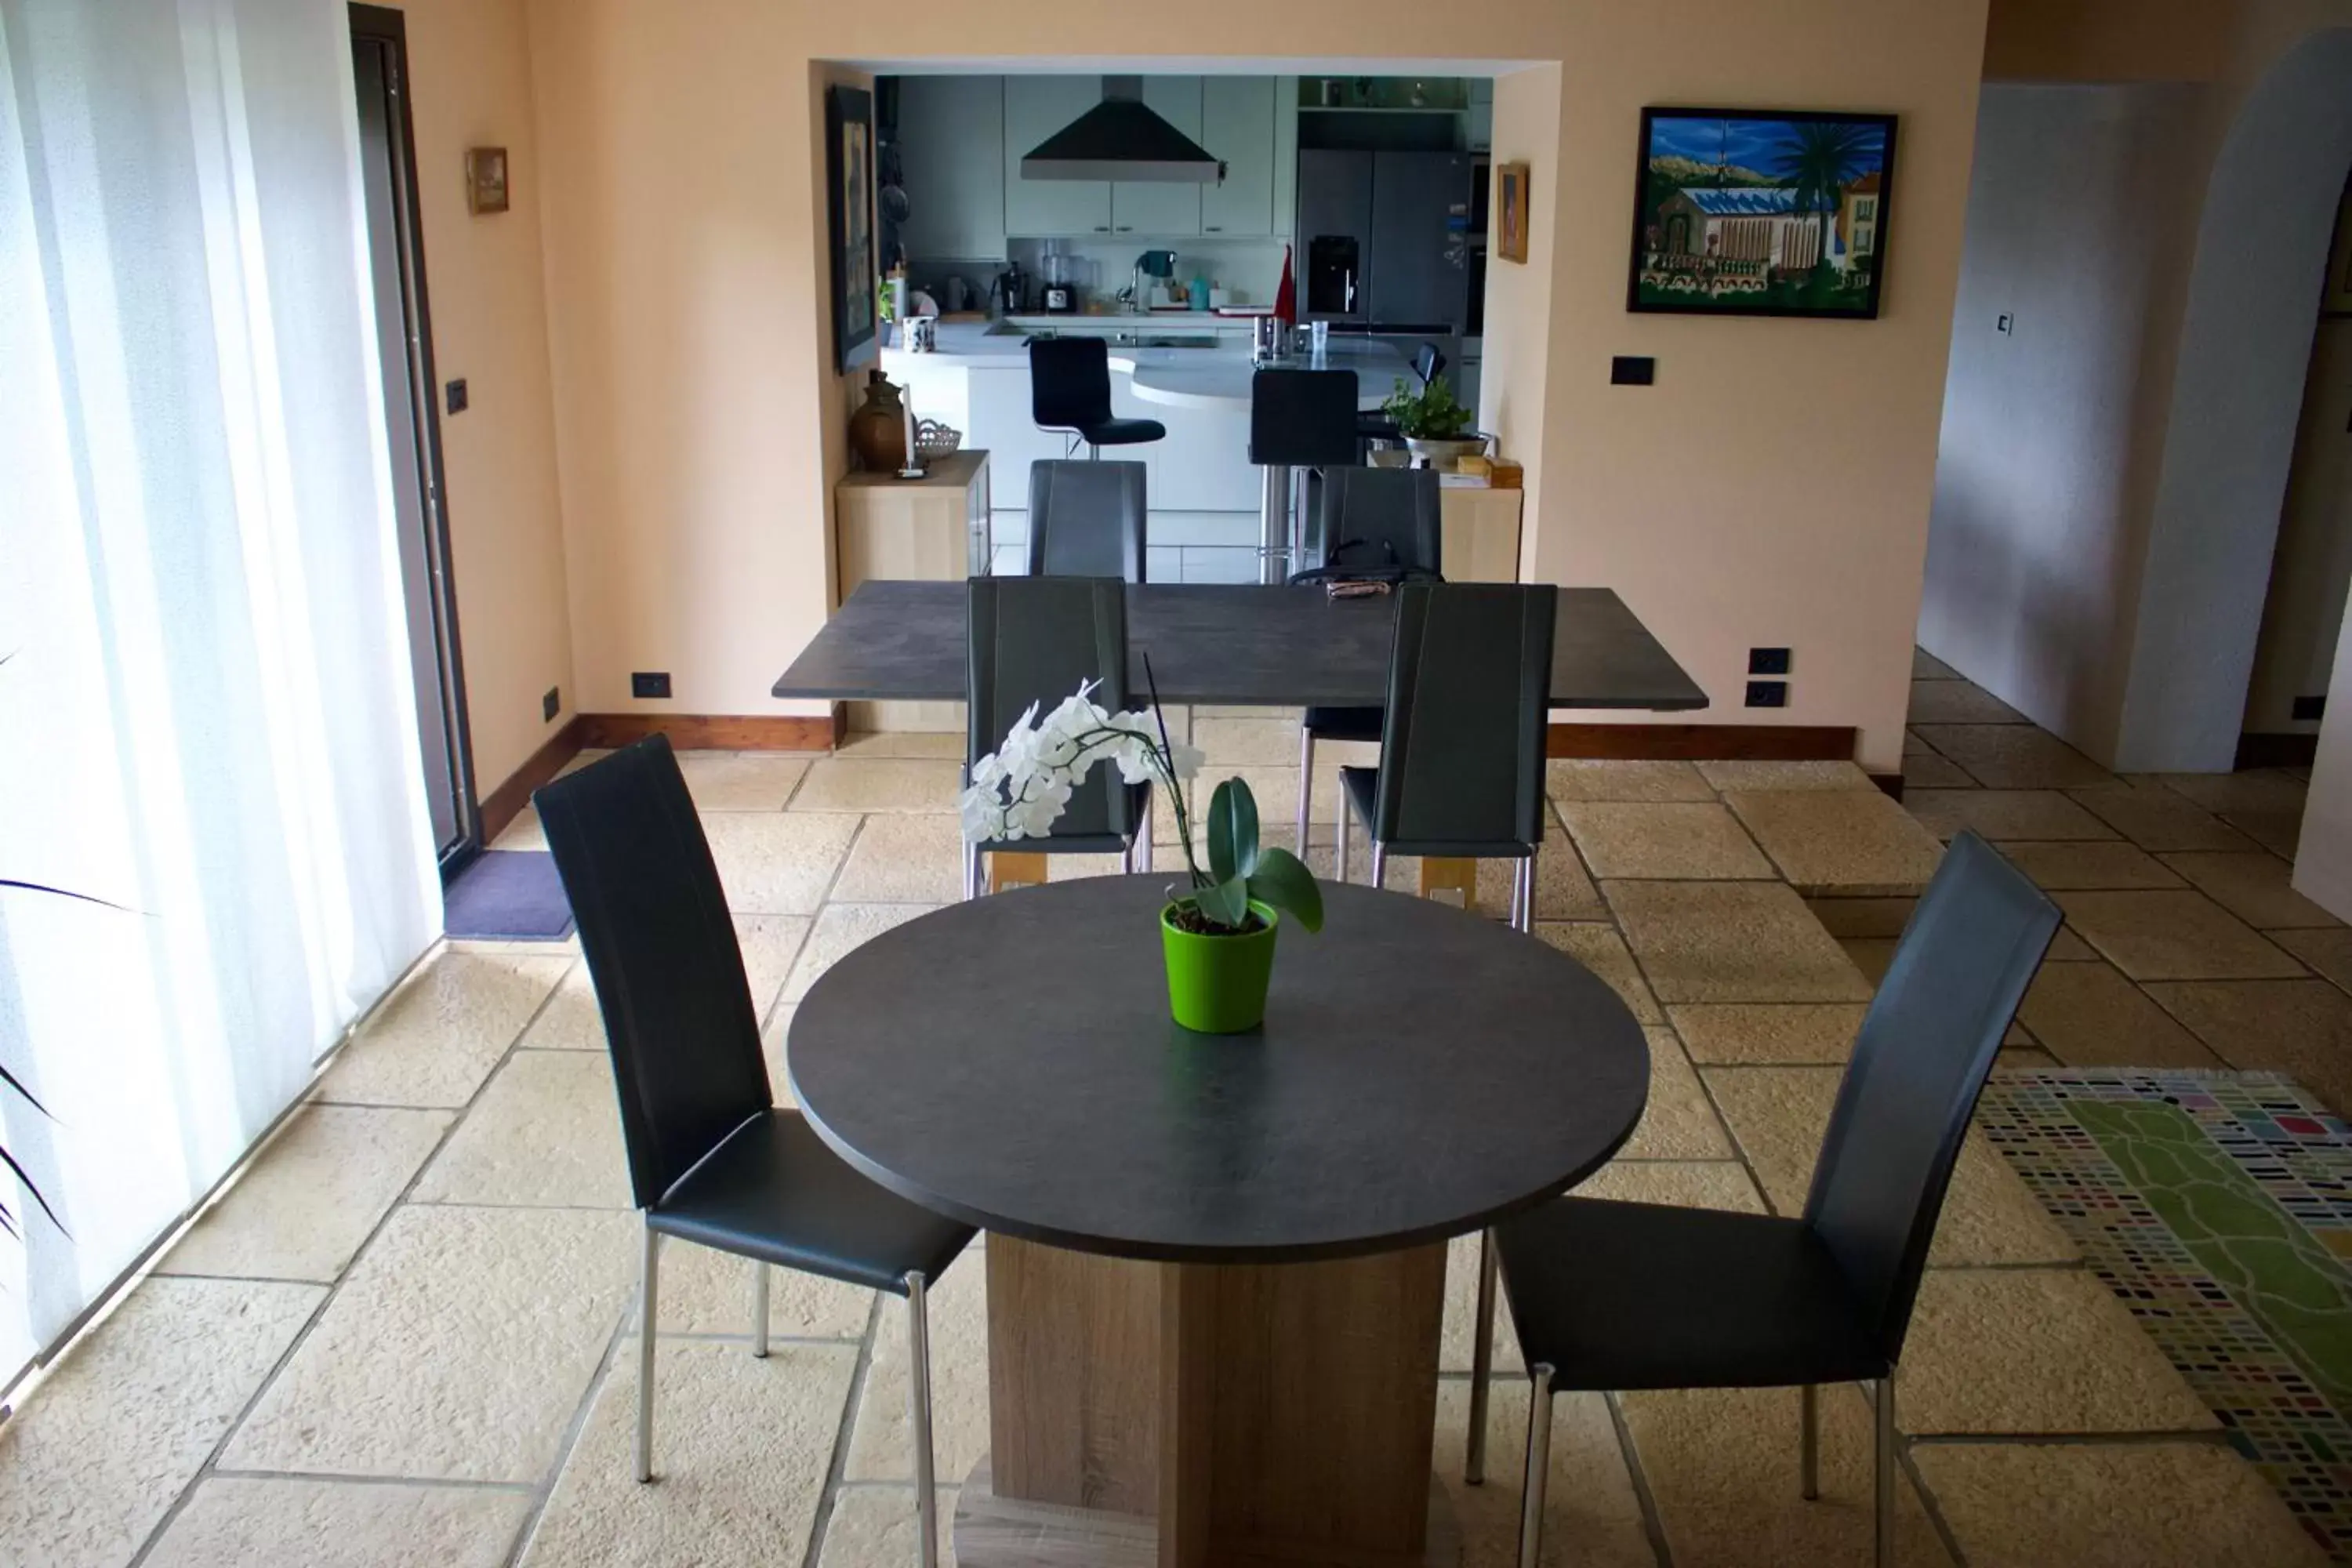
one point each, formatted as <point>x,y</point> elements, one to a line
<point>1216,985</point>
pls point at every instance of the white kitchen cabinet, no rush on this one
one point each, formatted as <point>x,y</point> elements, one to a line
<point>1237,125</point>
<point>997,401</point>
<point>1286,154</point>
<point>951,144</point>
<point>1162,209</point>
<point>1034,108</point>
<point>1204,465</point>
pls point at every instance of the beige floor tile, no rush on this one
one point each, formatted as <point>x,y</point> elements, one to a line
<point>237,1522</point>
<point>1458,1337</point>
<point>2003,813</point>
<point>1564,890</point>
<point>1592,1517</point>
<point>1926,666</point>
<point>308,1201</point>
<point>457,1349</point>
<point>1697,840</point>
<point>1839,841</point>
<point>2255,789</point>
<point>1784,1033</point>
<point>2180,935</point>
<point>1261,741</point>
<point>2066,947</point>
<point>1678,1123</point>
<point>2014,756</point>
<point>742,1449</point>
<point>778,863</point>
<point>1871,954</point>
<point>2300,1028</point>
<point>1599,948</point>
<point>571,1022</point>
<point>935,743</point>
<point>2280,831</point>
<point>2024,1505</point>
<point>740,781</point>
<point>1683,1184</point>
<point>839,929</point>
<point>90,1464</point>
<point>1568,779</point>
<point>1924,769</point>
<point>2329,951</point>
<point>1722,1464</point>
<point>1842,916</point>
<point>878,1448</point>
<point>2061,867</point>
<point>2254,888</point>
<point>1732,942</point>
<point>874,1527</point>
<point>1914,746</point>
<point>437,1036</point>
<point>770,944</point>
<point>706,1292</point>
<point>546,1133</point>
<point>1276,790</point>
<point>905,860</point>
<point>523,833</point>
<point>1746,775</point>
<point>2024,1058</point>
<point>2034,1350</point>
<point>1780,1114</point>
<point>2157,819</point>
<point>2089,1015</point>
<point>1947,701</point>
<point>880,783</point>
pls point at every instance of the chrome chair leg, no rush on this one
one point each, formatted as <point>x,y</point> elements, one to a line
<point>1532,1506</point>
<point>1809,1450</point>
<point>1339,860</point>
<point>1379,864</point>
<point>972,867</point>
<point>760,1310</point>
<point>1523,896</point>
<point>1127,856</point>
<point>1482,1363</point>
<point>648,1311</point>
<point>1306,781</point>
<point>918,1382</point>
<point>1884,1401</point>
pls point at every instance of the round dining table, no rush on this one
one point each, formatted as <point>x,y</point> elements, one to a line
<point>1216,1264</point>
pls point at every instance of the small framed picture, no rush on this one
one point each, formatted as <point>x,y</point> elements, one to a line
<point>485,179</point>
<point>849,167</point>
<point>1511,212</point>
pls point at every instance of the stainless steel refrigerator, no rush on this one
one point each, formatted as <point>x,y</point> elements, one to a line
<point>1386,238</point>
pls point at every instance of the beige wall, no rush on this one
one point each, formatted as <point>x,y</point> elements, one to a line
<point>695,397</point>
<point>2107,40</point>
<point>1518,347</point>
<point>469,64</point>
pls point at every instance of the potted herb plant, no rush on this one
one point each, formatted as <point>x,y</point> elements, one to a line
<point>1435,425</point>
<point>1217,936</point>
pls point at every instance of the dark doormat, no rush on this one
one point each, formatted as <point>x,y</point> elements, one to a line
<point>511,894</point>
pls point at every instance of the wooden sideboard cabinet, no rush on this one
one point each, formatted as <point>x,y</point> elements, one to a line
<point>1481,535</point>
<point>934,527</point>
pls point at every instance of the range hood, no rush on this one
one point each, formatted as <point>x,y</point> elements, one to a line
<point>1121,139</point>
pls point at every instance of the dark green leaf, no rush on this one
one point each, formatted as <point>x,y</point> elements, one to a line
<point>1226,902</point>
<point>1283,880</point>
<point>10,1160</point>
<point>1233,831</point>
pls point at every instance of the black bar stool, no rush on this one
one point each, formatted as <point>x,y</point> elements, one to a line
<point>1298,419</point>
<point>1069,389</point>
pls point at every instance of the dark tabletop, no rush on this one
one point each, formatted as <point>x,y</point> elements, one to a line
<point>1271,647</point>
<point>1009,1062</point>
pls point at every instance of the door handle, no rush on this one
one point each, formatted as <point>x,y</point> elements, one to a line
<point>1348,291</point>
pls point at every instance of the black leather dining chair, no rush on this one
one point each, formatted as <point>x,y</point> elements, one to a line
<point>1069,390</point>
<point>1088,519</point>
<point>1375,425</point>
<point>1375,519</point>
<point>1613,1296</point>
<point>1462,743</point>
<point>712,1158</point>
<point>1035,639</point>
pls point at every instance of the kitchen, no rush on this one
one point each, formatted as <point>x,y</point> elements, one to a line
<point>1369,193</point>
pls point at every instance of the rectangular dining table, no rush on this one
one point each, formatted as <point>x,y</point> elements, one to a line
<point>1237,645</point>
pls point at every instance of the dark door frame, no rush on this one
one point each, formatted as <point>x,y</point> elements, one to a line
<point>382,25</point>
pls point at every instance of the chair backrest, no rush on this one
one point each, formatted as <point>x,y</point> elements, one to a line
<point>1087,520</point>
<point>1035,639</point>
<point>662,951</point>
<point>1927,1043</point>
<point>1462,745</point>
<point>1428,363</point>
<point>1303,418</point>
<point>1069,382</point>
<point>1382,517</point>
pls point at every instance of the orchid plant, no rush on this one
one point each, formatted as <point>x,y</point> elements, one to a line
<point>1020,790</point>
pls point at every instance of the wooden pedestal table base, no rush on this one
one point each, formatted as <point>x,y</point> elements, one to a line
<point>1190,1414</point>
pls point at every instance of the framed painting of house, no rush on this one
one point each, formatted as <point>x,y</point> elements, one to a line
<point>1761,213</point>
<point>850,171</point>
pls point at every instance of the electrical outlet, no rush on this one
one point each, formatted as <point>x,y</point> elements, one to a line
<point>1633,370</point>
<point>1768,661</point>
<point>649,683</point>
<point>1767,694</point>
<point>457,395</point>
<point>2313,709</point>
<point>2005,324</point>
<point>550,705</point>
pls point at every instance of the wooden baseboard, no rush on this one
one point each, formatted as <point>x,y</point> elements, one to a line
<point>1703,742</point>
<point>1889,784</point>
<point>502,804</point>
<point>2284,750</point>
<point>716,732</point>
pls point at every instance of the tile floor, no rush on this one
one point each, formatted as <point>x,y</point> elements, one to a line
<point>399,1337</point>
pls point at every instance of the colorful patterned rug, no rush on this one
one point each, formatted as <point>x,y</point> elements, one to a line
<point>2219,1207</point>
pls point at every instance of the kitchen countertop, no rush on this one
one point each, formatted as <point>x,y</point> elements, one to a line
<point>1174,377</point>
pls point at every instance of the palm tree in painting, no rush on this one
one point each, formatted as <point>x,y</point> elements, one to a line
<point>1818,157</point>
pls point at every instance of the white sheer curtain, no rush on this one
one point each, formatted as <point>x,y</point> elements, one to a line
<point>205,712</point>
